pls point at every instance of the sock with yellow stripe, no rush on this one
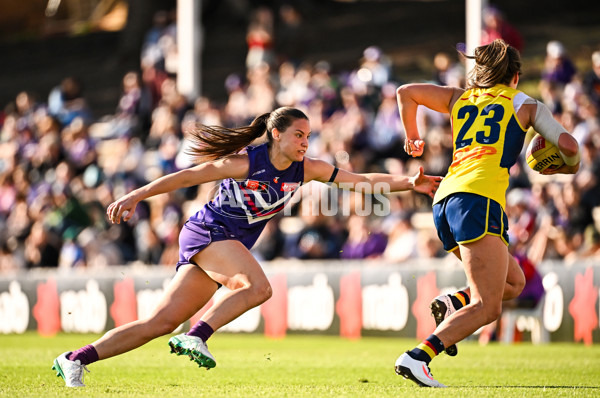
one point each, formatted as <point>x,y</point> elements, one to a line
<point>427,350</point>
<point>460,299</point>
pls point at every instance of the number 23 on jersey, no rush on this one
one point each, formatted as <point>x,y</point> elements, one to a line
<point>485,130</point>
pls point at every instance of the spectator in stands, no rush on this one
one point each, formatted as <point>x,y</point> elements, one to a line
<point>319,237</point>
<point>235,112</point>
<point>521,217</point>
<point>588,181</point>
<point>204,112</point>
<point>429,246</point>
<point>133,110</point>
<point>438,153</point>
<point>364,241</point>
<point>346,129</point>
<point>558,67</point>
<point>41,247</point>
<point>591,80</point>
<point>378,66</point>
<point>9,261</point>
<point>260,38</point>
<point>402,242</point>
<point>152,79</point>
<point>176,101</point>
<point>260,91</point>
<point>325,85</point>
<point>26,107</point>
<point>153,51</point>
<point>71,253</point>
<point>78,146</point>
<point>45,153</point>
<point>66,102</point>
<point>8,194</point>
<point>558,71</point>
<point>168,43</point>
<point>591,244</point>
<point>291,36</point>
<point>555,238</point>
<point>588,117</point>
<point>496,26</point>
<point>164,124</point>
<point>447,72</point>
<point>386,133</point>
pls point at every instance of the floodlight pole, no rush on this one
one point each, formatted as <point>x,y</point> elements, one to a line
<point>473,28</point>
<point>189,47</point>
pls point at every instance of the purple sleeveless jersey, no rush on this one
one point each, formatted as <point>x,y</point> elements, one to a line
<point>241,208</point>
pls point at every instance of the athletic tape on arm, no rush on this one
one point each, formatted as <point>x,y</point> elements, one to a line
<point>550,129</point>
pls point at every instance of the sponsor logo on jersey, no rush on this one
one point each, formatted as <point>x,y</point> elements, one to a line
<point>255,185</point>
<point>289,186</point>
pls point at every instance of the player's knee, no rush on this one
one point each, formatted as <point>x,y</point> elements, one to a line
<point>488,312</point>
<point>493,312</point>
<point>262,291</point>
<point>514,288</point>
<point>159,327</point>
<point>268,292</point>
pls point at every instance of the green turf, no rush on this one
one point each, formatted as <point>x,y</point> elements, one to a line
<point>302,366</point>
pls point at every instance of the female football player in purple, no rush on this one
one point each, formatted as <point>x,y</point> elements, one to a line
<point>215,242</point>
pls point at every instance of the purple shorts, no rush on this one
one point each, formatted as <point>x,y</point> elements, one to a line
<point>195,236</point>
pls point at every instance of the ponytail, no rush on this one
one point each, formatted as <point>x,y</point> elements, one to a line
<point>495,63</point>
<point>216,142</point>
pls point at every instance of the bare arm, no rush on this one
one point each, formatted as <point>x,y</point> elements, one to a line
<point>370,182</point>
<point>232,167</point>
<point>410,96</point>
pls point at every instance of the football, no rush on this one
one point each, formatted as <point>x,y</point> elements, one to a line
<point>542,154</point>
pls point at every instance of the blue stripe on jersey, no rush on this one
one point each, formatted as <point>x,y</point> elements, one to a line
<point>513,143</point>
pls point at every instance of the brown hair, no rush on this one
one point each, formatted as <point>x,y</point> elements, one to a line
<point>216,142</point>
<point>495,63</point>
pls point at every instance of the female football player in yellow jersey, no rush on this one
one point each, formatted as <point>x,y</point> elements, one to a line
<point>489,122</point>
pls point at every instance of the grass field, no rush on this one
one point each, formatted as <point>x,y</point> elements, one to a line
<point>301,366</point>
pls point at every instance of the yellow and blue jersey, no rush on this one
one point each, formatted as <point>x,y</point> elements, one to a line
<point>487,141</point>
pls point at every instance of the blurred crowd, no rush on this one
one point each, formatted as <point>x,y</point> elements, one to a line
<point>60,167</point>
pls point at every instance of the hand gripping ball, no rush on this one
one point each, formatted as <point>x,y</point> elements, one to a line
<point>542,154</point>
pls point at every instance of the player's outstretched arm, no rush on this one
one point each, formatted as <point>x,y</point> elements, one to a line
<point>426,184</point>
<point>319,170</point>
<point>230,167</point>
